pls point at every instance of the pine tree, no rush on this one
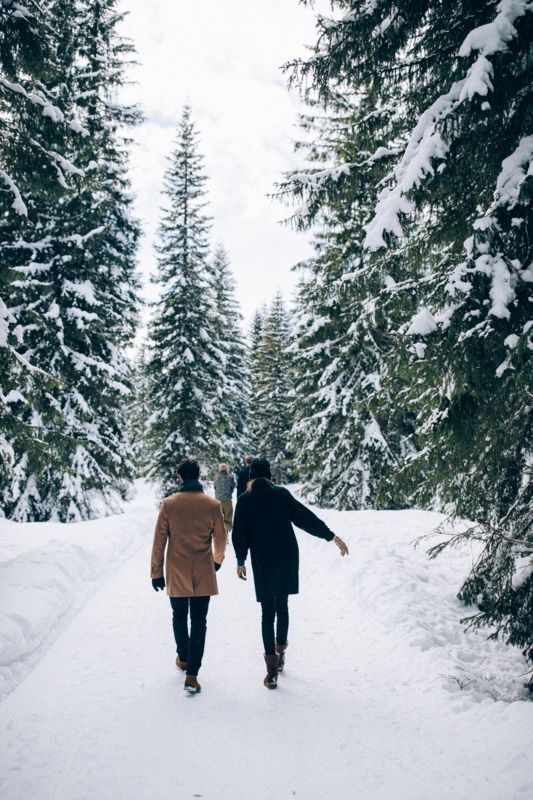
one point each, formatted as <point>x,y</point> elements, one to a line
<point>184,360</point>
<point>29,166</point>
<point>346,446</point>
<point>77,288</point>
<point>347,439</point>
<point>255,336</point>
<point>30,104</point>
<point>232,405</point>
<point>453,210</point>
<point>139,412</point>
<point>272,388</point>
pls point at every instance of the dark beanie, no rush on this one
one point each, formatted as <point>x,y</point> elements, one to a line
<point>260,468</point>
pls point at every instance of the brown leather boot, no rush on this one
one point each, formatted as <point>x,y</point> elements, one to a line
<point>191,685</point>
<point>181,664</point>
<point>280,652</point>
<point>271,678</point>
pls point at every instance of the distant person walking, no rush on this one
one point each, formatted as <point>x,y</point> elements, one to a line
<point>263,526</point>
<point>188,525</point>
<point>243,476</point>
<point>224,484</point>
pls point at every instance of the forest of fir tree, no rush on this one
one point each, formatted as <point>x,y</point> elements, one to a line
<point>401,375</point>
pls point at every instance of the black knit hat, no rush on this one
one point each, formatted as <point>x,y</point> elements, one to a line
<point>260,468</point>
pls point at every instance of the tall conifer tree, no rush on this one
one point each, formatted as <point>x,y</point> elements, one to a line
<point>184,360</point>
<point>452,210</point>
<point>272,402</point>
<point>33,161</point>
<point>347,440</point>
<point>232,405</point>
<point>254,413</point>
<point>77,285</point>
<point>139,412</point>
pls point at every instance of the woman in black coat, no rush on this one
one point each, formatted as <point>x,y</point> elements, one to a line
<point>263,525</point>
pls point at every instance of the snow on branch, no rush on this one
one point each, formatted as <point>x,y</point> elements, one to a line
<point>65,164</point>
<point>62,165</point>
<point>493,37</point>
<point>515,169</point>
<point>80,239</point>
<point>422,324</point>
<point>6,319</point>
<point>425,143</point>
<point>49,110</point>
<point>367,8</point>
<point>501,292</point>
<point>18,203</point>
<point>84,290</point>
<point>21,12</point>
<point>316,181</point>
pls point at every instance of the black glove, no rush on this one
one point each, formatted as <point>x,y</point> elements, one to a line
<point>217,566</point>
<point>158,583</point>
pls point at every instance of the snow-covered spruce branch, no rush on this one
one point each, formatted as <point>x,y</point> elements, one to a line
<point>515,169</point>
<point>31,368</point>
<point>426,145</point>
<point>60,163</point>
<point>49,109</point>
<point>480,532</point>
<point>18,204</point>
<point>309,186</point>
<point>39,433</point>
<point>22,10</point>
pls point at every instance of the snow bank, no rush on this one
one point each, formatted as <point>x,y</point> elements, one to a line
<point>48,570</point>
<point>411,605</point>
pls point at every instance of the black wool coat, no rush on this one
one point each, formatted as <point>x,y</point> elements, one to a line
<point>263,525</point>
<point>243,476</point>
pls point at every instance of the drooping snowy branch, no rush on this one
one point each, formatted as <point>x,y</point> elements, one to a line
<point>22,95</point>
<point>514,171</point>
<point>426,145</point>
<point>18,203</point>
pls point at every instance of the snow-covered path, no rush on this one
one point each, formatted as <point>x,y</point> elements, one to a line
<point>364,710</point>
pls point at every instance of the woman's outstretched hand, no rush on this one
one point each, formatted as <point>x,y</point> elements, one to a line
<point>241,573</point>
<point>342,546</point>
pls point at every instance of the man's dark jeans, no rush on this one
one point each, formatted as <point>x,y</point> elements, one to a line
<point>190,646</point>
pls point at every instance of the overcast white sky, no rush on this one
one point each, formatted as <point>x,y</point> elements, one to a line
<point>224,56</point>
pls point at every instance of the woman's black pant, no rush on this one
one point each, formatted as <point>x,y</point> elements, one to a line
<point>190,646</point>
<point>274,611</point>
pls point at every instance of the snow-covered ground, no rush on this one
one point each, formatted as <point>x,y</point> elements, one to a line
<point>47,571</point>
<point>384,695</point>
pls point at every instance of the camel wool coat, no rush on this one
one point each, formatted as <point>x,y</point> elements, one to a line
<point>188,525</point>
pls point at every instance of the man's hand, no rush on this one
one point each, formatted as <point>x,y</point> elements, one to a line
<point>158,583</point>
<point>341,545</point>
<point>241,572</point>
<point>217,566</point>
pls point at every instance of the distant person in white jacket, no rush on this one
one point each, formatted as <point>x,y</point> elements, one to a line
<point>224,484</point>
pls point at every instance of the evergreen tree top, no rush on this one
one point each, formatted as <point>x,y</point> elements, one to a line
<point>183,242</point>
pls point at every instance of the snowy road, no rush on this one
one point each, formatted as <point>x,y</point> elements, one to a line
<point>366,709</point>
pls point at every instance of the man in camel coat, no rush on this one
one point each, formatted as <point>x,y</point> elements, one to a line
<point>189,525</point>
